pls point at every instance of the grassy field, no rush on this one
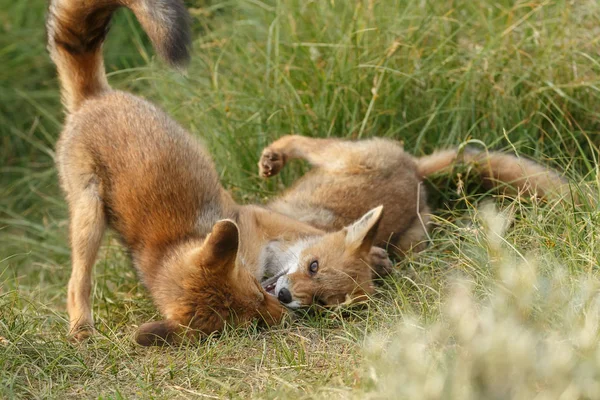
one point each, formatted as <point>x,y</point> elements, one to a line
<point>499,306</point>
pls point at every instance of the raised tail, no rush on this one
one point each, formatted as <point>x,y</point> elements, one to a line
<point>499,171</point>
<point>77,28</point>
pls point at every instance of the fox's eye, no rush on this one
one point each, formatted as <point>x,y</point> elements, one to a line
<point>313,267</point>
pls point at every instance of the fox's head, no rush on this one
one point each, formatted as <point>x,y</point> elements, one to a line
<point>329,269</point>
<point>207,288</point>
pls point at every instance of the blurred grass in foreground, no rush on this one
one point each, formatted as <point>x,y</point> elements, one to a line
<point>530,335</point>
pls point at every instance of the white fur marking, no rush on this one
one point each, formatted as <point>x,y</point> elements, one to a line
<point>277,257</point>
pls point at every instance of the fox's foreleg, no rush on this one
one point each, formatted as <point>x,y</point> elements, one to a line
<point>318,152</point>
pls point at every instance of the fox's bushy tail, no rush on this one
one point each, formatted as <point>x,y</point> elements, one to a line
<point>77,29</point>
<point>499,171</point>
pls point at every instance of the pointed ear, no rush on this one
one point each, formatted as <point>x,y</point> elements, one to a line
<point>158,333</point>
<point>361,234</point>
<point>221,246</point>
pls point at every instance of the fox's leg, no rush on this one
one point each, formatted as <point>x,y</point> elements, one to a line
<point>87,228</point>
<point>414,238</point>
<point>380,262</point>
<point>317,152</point>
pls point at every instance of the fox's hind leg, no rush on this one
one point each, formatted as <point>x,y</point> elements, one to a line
<point>413,239</point>
<point>87,226</point>
<point>318,152</point>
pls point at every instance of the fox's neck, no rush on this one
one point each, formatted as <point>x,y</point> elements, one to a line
<point>151,262</point>
<point>266,236</point>
<point>156,248</point>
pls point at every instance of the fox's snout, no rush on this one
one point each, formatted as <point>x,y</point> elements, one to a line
<point>284,292</point>
<point>284,296</point>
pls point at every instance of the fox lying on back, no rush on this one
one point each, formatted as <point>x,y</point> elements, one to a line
<point>352,177</point>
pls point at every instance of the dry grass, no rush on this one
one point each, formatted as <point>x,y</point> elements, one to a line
<point>530,335</point>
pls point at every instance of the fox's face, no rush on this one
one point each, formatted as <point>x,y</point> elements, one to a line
<point>329,269</point>
<point>212,291</point>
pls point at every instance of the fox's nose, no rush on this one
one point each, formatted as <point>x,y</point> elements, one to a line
<point>284,296</point>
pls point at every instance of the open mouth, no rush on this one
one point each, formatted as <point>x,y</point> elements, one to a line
<point>270,289</point>
<point>270,284</point>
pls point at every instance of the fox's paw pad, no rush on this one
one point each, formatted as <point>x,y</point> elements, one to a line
<point>380,262</point>
<point>80,333</point>
<point>270,163</point>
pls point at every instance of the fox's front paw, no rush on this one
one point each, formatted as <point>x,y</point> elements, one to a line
<point>380,262</point>
<point>270,163</point>
<point>80,332</point>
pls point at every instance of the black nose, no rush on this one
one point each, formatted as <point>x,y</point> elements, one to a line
<point>284,296</point>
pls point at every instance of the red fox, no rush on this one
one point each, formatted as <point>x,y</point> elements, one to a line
<point>123,163</point>
<point>351,177</point>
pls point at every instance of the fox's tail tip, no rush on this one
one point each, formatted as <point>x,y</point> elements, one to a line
<point>77,28</point>
<point>167,23</point>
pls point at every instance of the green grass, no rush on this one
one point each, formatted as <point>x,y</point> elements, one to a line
<point>519,76</point>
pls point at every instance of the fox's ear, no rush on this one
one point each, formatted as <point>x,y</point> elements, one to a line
<point>158,333</point>
<point>361,234</point>
<point>221,246</point>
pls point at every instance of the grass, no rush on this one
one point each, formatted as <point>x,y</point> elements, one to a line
<point>521,76</point>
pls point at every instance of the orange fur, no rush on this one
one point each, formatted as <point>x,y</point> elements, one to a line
<point>123,163</point>
<point>346,249</point>
<point>517,176</point>
<point>351,177</point>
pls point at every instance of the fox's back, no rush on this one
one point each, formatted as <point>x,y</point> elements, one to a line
<point>154,179</point>
<point>368,174</point>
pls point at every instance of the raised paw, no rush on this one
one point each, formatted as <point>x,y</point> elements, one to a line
<point>270,163</point>
<point>380,262</point>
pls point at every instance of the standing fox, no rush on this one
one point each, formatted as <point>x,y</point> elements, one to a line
<point>352,176</point>
<point>123,163</point>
